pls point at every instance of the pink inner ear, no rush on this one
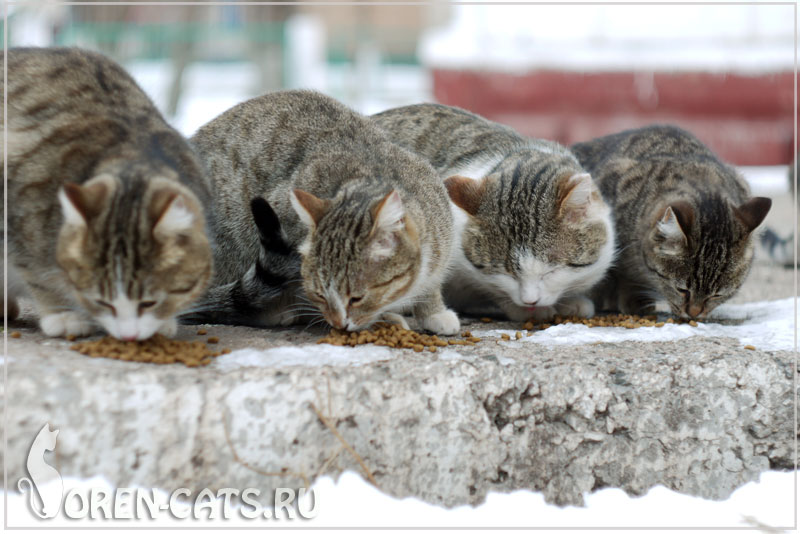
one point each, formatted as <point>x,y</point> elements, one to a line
<point>311,205</point>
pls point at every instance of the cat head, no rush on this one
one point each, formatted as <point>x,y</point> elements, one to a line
<point>700,253</point>
<point>134,250</point>
<point>534,239</point>
<point>361,254</point>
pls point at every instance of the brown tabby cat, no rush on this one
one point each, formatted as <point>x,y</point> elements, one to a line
<point>298,171</point>
<point>684,220</point>
<point>105,200</point>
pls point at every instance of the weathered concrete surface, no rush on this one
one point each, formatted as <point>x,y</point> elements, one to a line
<point>702,416</point>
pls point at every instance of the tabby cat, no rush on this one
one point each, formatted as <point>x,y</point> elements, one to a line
<point>105,211</point>
<point>684,220</point>
<point>533,231</point>
<point>369,219</point>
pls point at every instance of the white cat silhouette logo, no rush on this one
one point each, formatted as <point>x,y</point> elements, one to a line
<point>46,480</point>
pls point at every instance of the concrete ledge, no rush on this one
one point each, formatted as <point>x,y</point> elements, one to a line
<point>701,415</point>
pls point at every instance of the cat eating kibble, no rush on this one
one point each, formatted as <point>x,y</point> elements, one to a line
<point>534,234</point>
<point>105,200</point>
<point>369,219</point>
<point>684,220</point>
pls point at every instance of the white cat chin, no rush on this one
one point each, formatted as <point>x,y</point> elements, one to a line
<point>138,328</point>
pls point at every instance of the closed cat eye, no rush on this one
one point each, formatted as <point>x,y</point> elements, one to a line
<point>146,304</point>
<point>577,265</point>
<point>107,305</point>
<point>355,301</point>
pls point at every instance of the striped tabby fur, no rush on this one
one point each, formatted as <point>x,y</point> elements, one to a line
<point>369,219</point>
<point>533,232</point>
<point>105,211</point>
<point>684,220</point>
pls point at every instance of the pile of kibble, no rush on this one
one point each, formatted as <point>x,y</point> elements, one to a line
<point>394,336</point>
<point>157,349</point>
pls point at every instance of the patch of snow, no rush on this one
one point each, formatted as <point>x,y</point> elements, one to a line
<point>766,325</point>
<point>520,38</point>
<point>353,502</point>
<point>304,355</point>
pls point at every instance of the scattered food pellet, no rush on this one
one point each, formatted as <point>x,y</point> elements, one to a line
<point>212,339</point>
<point>72,337</point>
<point>505,337</point>
<point>749,347</point>
<point>518,335</point>
<point>393,336</point>
<point>486,319</point>
<point>201,332</point>
<point>618,319</point>
<point>16,335</point>
<point>158,349</point>
<point>466,334</point>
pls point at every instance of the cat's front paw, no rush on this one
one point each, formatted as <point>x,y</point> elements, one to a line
<point>444,322</point>
<point>169,327</point>
<point>395,318</point>
<point>579,305</point>
<point>64,324</point>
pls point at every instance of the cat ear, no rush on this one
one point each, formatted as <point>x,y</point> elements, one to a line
<point>466,193</point>
<point>173,213</point>
<point>753,212</point>
<point>80,203</point>
<point>389,213</point>
<point>309,208</point>
<point>671,236</point>
<point>577,192</point>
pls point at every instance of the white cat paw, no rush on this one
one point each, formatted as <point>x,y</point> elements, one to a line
<point>65,324</point>
<point>445,322</point>
<point>580,306</point>
<point>169,327</point>
<point>395,318</point>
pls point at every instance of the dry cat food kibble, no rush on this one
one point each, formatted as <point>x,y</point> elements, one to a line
<point>617,319</point>
<point>157,349</point>
<point>394,336</point>
<point>16,335</point>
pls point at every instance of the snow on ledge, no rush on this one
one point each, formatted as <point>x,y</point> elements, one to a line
<point>765,325</point>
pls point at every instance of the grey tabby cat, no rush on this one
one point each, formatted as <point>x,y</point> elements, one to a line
<point>105,206</point>
<point>369,219</point>
<point>533,231</point>
<point>684,220</point>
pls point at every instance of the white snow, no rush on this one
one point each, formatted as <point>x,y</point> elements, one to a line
<point>519,38</point>
<point>305,355</point>
<point>352,502</point>
<point>766,325</point>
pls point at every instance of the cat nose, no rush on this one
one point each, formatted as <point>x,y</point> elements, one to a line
<point>694,310</point>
